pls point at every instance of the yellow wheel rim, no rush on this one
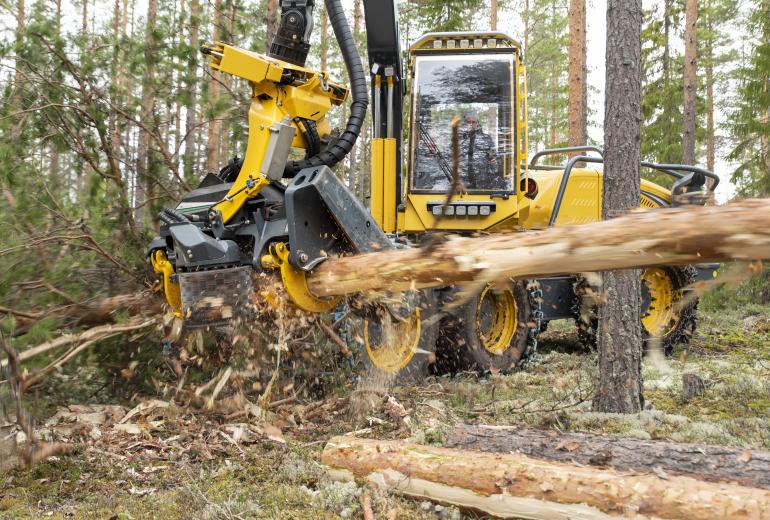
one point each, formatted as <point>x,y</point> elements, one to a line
<point>658,318</point>
<point>496,318</point>
<point>391,343</point>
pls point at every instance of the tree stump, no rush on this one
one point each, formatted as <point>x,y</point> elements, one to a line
<point>692,386</point>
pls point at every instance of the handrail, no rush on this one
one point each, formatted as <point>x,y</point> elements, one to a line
<point>668,169</point>
<point>566,149</point>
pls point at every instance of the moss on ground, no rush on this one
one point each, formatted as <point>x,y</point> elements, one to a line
<point>730,352</point>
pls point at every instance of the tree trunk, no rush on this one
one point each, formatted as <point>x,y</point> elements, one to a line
<point>116,77</point>
<point>143,162</point>
<point>709,67</point>
<point>749,468</point>
<point>578,88</point>
<point>271,21</point>
<point>690,84</point>
<point>493,15</point>
<point>516,486</point>
<point>640,239</point>
<point>191,79</point>
<point>554,88</point>
<point>324,39</point>
<point>619,388</point>
<point>212,140</point>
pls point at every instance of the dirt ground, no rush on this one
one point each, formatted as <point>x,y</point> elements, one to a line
<point>152,459</point>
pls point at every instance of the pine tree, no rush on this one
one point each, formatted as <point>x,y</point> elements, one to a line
<point>619,387</point>
<point>751,119</point>
<point>577,133</point>
<point>546,40</point>
<point>690,82</point>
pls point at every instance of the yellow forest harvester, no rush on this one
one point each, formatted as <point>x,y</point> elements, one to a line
<point>270,213</point>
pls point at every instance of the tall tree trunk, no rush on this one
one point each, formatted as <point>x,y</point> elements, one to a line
<point>271,21</point>
<point>554,88</point>
<point>20,26</point>
<point>578,88</point>
<point>493,16</point>
<point>212,143</point>
<point>690,86</point>
<point>144,181</point>
<point>115,72</point>
<point>191,80</point>
<point>224,149</point>
<point>324,39</point>
<point>710,134</point>
<point>619,386</point>
<point>55,169</point>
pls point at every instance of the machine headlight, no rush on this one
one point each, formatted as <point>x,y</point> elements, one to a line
<point>473,210</point>
<point>484,210</point>
<point>460,211</point>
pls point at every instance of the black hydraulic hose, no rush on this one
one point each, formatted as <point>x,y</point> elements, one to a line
<point>341,146</point>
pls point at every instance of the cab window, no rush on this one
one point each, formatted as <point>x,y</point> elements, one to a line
<point>477,89</point>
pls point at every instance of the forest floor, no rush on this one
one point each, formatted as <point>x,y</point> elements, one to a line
<point>159,461</point>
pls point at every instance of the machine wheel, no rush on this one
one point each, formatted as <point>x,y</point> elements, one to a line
<point>400,344</point>
<point>664,317</point>
<point>668,314</point>
<point>489,332</point>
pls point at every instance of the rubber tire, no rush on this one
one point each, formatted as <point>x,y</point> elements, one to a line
<point>419,366</point>
<point>587,320</point>
<point>460,347</point>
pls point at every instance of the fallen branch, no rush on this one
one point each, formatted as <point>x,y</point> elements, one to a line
<point>745,467</point>
<point>517,486</point>
<point>37,377</point>
<point>739,230</point>
<point>30,451</point>
<point>97,333</point>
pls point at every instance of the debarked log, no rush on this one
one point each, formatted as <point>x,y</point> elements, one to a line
<point>670,236</point>
<point>747,467</point>
<point>517,486</point>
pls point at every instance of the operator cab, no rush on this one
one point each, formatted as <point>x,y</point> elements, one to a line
<point>476,77</point>
<point>476,89</point>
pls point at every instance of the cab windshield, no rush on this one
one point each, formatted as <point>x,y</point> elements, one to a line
<point>478,89</point>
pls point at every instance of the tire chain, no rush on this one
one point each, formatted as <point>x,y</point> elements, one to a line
<point>535,294</point>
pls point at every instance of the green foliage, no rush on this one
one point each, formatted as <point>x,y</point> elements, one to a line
<point>546,59</point>
<point>751,118</point>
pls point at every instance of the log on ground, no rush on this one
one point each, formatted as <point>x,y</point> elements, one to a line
<point>670,236</point>
<point>517,486</point>
<point>711,463</point>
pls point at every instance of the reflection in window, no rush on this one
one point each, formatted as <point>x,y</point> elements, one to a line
<point>478,89</point>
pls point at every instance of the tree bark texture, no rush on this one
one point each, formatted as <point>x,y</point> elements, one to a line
<point>271,21</point>
<point>619,387</point>
<point>493,15</point>
<point>739,230</point>
<point>709,69</point>
<point>144,180</point>
<point>191,79</point>
<point>749,468</point>
<point>690,84</point>
<point>324,39</point>
<point>578,86</point>
<point>212,139</point>
<point>517,486</point>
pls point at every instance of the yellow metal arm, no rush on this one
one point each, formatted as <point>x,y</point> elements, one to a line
<point>279,89</point>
